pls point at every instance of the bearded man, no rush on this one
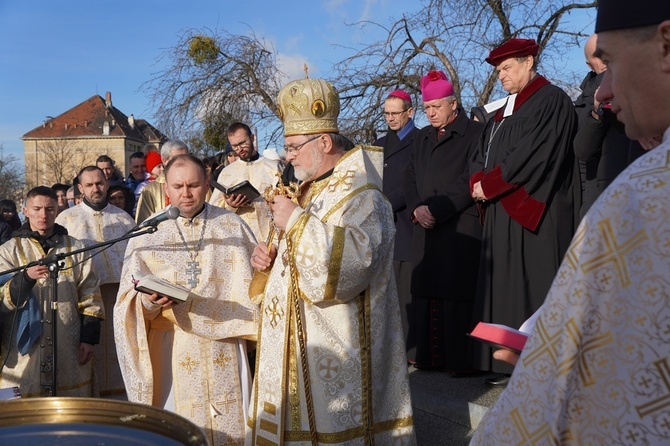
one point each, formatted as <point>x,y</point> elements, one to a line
<point>331,355</point>
<point>92,221</point>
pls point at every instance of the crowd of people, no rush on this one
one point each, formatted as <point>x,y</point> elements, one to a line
<point>308,303</point>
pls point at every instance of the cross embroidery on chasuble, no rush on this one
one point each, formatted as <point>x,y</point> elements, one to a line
<point>662,402</point>
<point>542,435</point>
<point>274,312</point>
<point>615,253</point>
<point>344,180</point>
<point>231,399</point>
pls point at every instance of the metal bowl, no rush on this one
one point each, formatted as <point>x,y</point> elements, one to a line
<point>93,421</point>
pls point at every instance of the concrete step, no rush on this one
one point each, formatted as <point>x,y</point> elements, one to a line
<point>447,410</point>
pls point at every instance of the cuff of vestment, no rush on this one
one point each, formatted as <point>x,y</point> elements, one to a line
<point>293,219</point>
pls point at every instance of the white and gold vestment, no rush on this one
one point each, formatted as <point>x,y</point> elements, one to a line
<point>78,295</point>
<point>191,355</point>
<point>596,369</point>
<point>152,199</point>
<point>261,173</point>
<point>90,227</point>
<point>331,361</point>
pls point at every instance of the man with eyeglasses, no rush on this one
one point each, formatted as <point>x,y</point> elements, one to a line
<point>261,172</point>
<point>447,233</point>
<point>397,144</point>
<point>331,362</point>
<point>525,180</point>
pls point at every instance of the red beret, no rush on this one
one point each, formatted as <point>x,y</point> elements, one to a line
<point>513,48</point>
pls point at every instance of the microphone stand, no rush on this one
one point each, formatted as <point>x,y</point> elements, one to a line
<point>55,263</point>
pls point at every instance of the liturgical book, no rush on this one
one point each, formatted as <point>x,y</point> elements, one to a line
<point>150,284</point>
<point>500,336</point>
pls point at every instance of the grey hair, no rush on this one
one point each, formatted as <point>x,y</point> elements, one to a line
<point>171,145</point>
<point>340,141</point>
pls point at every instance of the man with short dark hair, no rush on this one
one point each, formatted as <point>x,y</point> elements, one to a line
<point>138,174</point>
<point>138,171</point>
<point>190,357</point>
<point>108,167</point>
<point>397,144</point>
<point>27,351</point>
<point>92,221</point>
<point>595,370</point>
<point>261,172</point>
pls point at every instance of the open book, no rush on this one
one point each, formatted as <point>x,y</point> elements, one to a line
<point>244,188</point>
<point>500,336</point>
<point>150,284</point>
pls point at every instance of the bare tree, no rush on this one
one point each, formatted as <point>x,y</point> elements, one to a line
<point>60,160</point>
<point>215,78</point>
<point>11,178</point>
<point>454,36</point>
<point>211,74</point>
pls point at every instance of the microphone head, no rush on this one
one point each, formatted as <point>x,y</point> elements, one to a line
<point>173,213</point>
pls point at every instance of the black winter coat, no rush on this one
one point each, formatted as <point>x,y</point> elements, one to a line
<point>445,258</point>
<point>397,155</point>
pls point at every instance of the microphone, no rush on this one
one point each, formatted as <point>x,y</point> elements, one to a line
<point>171,213</point>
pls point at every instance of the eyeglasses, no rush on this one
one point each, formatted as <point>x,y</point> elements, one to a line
<point>296,149</point>
<point>244,143</point>
<point>394,114</point>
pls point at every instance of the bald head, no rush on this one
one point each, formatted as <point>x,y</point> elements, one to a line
<point>595,63</point>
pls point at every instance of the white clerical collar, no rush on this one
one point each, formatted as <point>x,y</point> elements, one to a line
<point>507,101</point>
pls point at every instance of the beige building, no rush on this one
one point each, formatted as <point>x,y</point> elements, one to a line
<point>61,146</point>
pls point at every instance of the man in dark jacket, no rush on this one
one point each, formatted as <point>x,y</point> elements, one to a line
<point>397,144</point>
<point>446,243</point>
<point>601,145</point>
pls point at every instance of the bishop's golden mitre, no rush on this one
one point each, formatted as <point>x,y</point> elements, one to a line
<point>309,106</point>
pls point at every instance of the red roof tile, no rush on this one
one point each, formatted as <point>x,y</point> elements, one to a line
<point>87,120</point>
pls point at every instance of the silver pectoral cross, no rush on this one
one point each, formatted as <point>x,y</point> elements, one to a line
<point>193,271</point>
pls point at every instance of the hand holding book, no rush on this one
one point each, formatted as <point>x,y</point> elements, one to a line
<point>500,336</point>
<point>151,284</point>
<point>244,189</point>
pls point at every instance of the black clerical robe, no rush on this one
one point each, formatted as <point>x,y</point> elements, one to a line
<point>529,176</point>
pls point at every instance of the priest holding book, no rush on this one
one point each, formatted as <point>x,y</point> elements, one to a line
<point>190,357</point>
<point>261,172</point>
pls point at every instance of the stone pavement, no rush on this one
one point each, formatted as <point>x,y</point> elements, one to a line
<point>447,409</point>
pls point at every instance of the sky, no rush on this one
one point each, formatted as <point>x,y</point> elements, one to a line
<point>55,55</point>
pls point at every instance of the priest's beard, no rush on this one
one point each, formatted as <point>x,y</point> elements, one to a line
<point>303,173</point>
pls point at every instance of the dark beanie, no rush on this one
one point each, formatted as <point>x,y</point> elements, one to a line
<point>622,14</point>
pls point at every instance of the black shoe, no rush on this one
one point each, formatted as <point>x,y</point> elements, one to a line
<point>498,381</point>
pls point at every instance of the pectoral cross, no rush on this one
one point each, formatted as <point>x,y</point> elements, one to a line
<point>193,271</point>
